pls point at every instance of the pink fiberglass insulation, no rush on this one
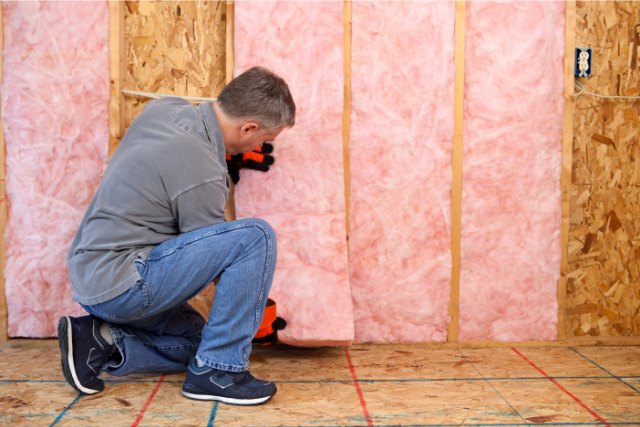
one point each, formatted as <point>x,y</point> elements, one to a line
<point>511,207</point>
<point>55,95</point>
<point>402,82</point>
<point>302,196</point>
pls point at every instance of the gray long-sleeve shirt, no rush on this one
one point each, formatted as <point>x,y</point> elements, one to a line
<point>167,177</point>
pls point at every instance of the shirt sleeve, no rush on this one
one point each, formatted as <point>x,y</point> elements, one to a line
<point>201,206</point>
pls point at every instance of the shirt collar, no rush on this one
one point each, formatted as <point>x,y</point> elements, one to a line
<point>213,129</point>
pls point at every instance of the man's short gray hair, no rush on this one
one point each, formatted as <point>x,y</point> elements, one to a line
<point>259,94</point>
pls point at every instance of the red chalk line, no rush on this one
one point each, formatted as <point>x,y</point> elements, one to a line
<point>563,389</point>
<point>146,405</point>
<point>360,395</point>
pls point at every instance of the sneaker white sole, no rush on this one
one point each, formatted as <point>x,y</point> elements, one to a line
<point>72,367</point>
<point>228,400</point>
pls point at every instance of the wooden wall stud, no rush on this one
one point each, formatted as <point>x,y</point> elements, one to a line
<point>116,73</point>
<point>456,165</point>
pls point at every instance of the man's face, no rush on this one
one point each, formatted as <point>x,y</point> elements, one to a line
<point>251,138</point>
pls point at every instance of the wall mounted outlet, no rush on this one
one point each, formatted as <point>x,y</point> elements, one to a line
<point>583,62</point>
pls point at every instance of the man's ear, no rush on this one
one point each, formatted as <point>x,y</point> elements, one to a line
<point>247,128</point>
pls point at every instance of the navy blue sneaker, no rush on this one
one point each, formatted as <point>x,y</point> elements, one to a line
<point>83,352</point>
<point>235,388</point>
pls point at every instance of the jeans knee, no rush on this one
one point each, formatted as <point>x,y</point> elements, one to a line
<point>267,230</point>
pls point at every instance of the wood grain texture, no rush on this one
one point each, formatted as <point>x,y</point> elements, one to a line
<point>570,341</point>
<point>174,47</point>
<point>567,144</point>
<point>603,275</point>
<point>4,336</point>
<point>456,166</point>
<point>316,388</point>
<point>346,111</point>
<point>180,48</point>
<point>400,385</point>
<point>29,343</point>
<point>230,63</point>
<point>229,50</point>
<point>116,74</point>
<point>584,341</point>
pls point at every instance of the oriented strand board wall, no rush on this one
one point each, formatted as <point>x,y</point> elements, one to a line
<point>179,48</point>
<point>173,47</point>
<point>603,286</point>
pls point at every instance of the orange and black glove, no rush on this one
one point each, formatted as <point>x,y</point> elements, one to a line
<point>271,324</point>
<point>259,159</point>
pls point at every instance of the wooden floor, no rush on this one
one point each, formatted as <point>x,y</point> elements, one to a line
<point>365,385</point>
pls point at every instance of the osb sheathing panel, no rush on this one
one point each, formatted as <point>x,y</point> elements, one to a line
<point>603,286</point>
<point>174,47</point>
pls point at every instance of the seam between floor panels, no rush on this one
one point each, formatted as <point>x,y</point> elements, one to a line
<point>494,389</point>
<point>614,376</point>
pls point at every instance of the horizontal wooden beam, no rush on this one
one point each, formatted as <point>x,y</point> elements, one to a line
<point>29,343</point>
<point>573,342</point>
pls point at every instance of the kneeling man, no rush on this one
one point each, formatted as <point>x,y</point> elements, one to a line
<point>155,235</point>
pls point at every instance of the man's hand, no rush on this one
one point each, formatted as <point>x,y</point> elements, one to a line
<point>259,159</point>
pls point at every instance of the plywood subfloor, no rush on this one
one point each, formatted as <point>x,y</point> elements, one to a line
<point>366,385</point>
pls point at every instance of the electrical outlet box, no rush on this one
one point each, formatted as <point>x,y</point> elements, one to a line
<point>583,62</point>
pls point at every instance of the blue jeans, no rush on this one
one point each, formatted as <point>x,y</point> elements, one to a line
<point>157,331</point>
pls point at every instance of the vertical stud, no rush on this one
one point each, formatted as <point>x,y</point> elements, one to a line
<point>456,166</point>
<point>116,74</point>
<point>567,148</point>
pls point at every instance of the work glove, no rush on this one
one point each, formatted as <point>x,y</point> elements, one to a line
<point>272,334</point>
<point>259,159</point>
<point>271,324</point>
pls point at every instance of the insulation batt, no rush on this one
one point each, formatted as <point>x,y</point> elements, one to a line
<point>402,83</point>
<point>302,195</point>
<point>511,205</point>
<point>55,95</point>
